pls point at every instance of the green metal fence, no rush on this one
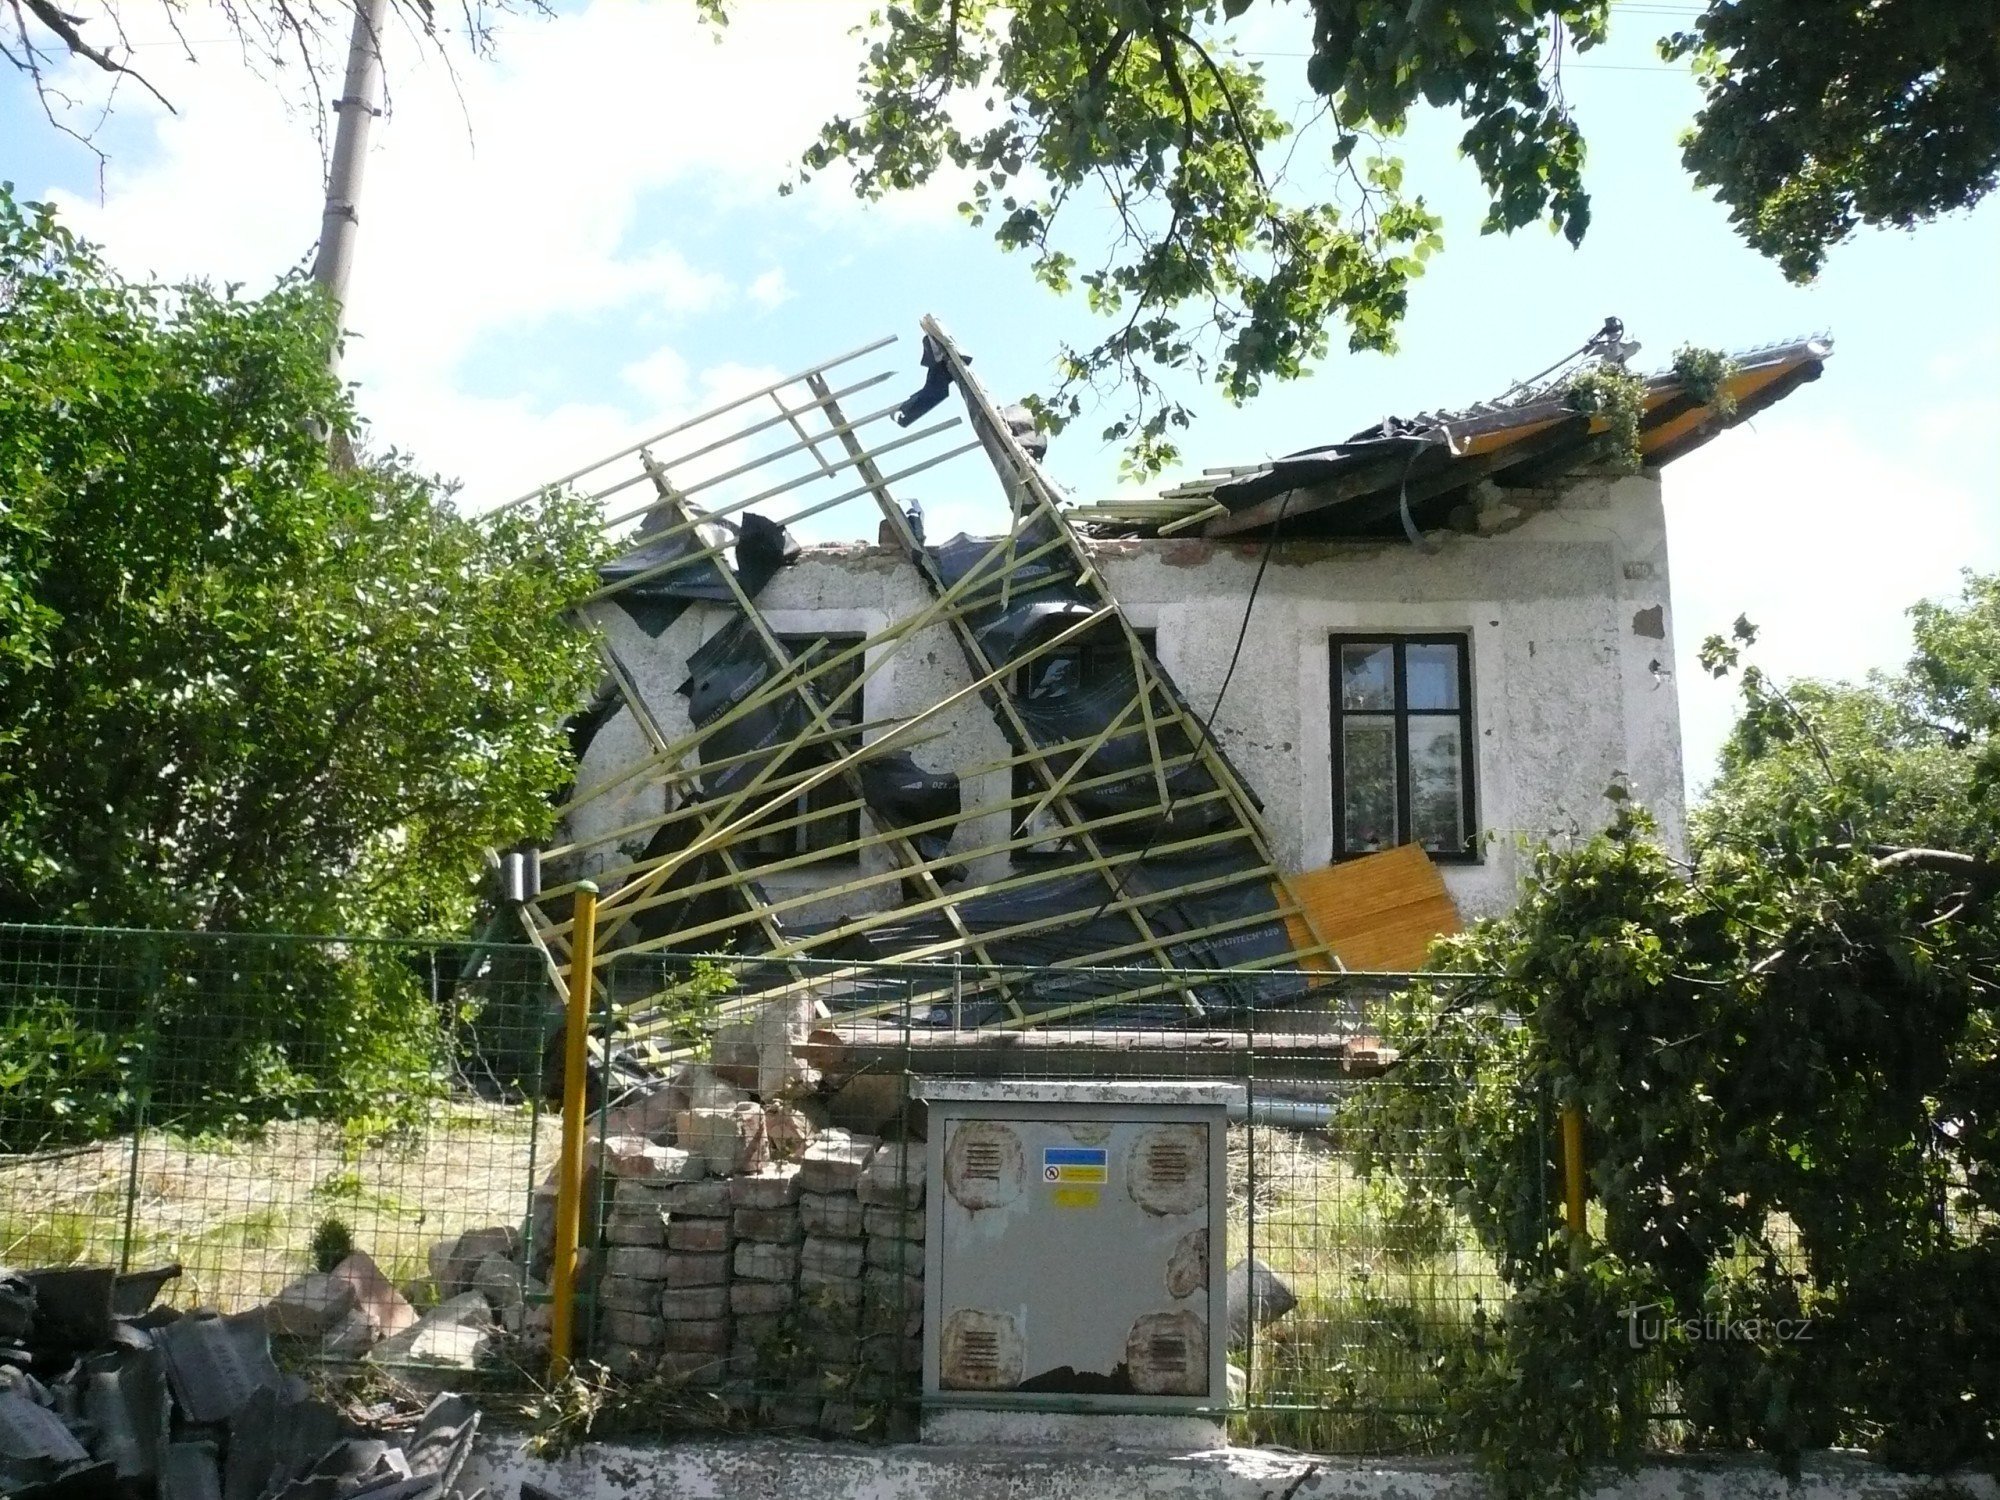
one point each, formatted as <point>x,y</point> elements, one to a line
<point>254,1108</point>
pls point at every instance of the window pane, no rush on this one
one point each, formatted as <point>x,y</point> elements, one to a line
<point>1433,675</point>
<point>1367,676</point>
<point>1368,777</point>
<point>1437,783</point>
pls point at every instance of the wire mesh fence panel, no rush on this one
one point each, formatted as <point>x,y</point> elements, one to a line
<point>251,1110</point>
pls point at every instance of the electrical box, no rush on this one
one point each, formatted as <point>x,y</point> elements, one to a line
<point>1074,1245</point>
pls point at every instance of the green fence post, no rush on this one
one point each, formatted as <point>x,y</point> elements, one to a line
<point>142,1094</point>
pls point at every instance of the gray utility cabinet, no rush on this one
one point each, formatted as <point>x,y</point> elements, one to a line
<point>1074,1245</point>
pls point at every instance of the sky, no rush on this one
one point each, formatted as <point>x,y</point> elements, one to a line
<point>580,238</point>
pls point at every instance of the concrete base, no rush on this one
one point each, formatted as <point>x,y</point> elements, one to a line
<point>965,1428</point>
<point>765,1468</point>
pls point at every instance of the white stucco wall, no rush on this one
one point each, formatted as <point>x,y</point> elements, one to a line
<point>1568,613</point>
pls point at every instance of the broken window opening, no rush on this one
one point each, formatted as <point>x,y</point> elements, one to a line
<point>1055,675</point>
<point>814,817</point>
<point>1402,745</point>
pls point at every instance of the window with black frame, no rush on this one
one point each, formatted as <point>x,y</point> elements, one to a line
<point>1050,676</point>
<point>818,818</point>
<point>1403,745</point>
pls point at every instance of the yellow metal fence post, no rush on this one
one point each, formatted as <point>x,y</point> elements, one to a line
<point>1573,1191</point>
<point>569,1166</point>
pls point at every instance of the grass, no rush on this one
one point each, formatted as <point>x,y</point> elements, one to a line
<point>1382,1292</point>
<point>240,1215</point>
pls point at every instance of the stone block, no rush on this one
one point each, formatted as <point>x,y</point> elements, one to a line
<point>702,1236</point>
<point>896,1255</point>
<point>452,1261</point>
<point>691,1368</point>
<point>892,1304</point>
<point>773,1187</point>
<point>778,1225</point>
<point>350,1338</point>
<point>636,1261</point>
<point>758,1261</point>
<point>499,1282</point>
<point>835,1257</point>
<point>704,1089</point>
<point>867,1103</point>
<point>629,1294</point>
<point>731,1140</point>
<point>310,1307</point>
<point>894,1223</point>
<point>635,1329</point>
<point>698,1200</point>
<point>894,1176</point>
<point>682,1303</point>
<point>822,1289</point>
<point>834,1162</point>
<point>685,1270</point>
<point>755,1298</point>
<point>896,1355</point>
<point>627,1361</point>
<point>697,1336</point>
<point>649,1114</point>
<point>836,1215</point>
<point>456,1335</point>
<point>761,1332</point>
<point>1255,1291</point>
<point>790,1413</point>
<point>388,1311</point>
<point>634,1156</point>
<point>646,1227</point>
<point>789,1131</point>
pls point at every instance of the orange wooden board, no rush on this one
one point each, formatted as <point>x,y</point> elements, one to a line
<point>1380,911</point>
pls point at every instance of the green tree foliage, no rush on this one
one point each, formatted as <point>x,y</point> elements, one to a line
<point>242,689</point>
<point>1242,236</point>
<point>1788,1055</point>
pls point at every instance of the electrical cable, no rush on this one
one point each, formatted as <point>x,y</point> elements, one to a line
<point>1207,725</point>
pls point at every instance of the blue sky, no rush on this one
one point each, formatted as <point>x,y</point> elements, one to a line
<point>583,237</point>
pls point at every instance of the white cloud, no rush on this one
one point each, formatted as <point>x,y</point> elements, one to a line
<point>507,214</point>
<point>771,290</point>
<point>1824,539</point>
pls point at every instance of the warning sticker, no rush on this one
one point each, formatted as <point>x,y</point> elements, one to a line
<point>1075,1197</point>
<point>1075,1166</point>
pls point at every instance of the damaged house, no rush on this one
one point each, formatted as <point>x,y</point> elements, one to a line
<point>984,764</point>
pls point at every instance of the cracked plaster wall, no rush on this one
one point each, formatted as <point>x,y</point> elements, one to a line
<point>1568,611</point>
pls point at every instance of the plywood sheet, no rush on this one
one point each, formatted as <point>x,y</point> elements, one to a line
<point>1380,911</point>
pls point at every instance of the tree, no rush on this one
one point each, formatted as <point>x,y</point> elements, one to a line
<point>1787,1055</point>
<point>1816,117</point>
<point>241,688</point>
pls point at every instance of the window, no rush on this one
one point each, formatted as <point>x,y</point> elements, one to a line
<point>829,829</point>
<point>1402,745</point>
<point>1054,675</point>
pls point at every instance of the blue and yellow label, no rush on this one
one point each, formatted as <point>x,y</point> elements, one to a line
<point>1075,1166</point>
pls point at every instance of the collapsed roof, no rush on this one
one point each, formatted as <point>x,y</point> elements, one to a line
<point>1166,904</point>
<point>1406,475</point>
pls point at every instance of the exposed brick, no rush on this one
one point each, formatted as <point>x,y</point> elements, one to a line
<point>752,1298</point>
<point>635,1261</point>
<point>732,1140</point>
<point>703,1236</point>
<point>774,1187</point>
<point>698,1200</point>
<point>636,1329</point>
<point>896,1255</point>
<point>835,1350</point>
<point>694,1302</point>
<point>756,1261</point>
<point>695,1270</point>
<point>903,1356</point>
<point>894,1176</point>
<point>894,1223</point>
<point>836,1215</point>
<point>628,1294</point>
<point>692,1368</point>
<point>817,1288</point>
<point>697,1336</point>
<point>760,1331</point>
<point>647,1227</point>
<point>835,1257</point>
<point>778,1225</point>
<point>626,1361</point>
<point>834,1162</point>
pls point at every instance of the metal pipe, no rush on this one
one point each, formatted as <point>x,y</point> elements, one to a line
<point>1573,1189</point>
<point>569,1166</point>
<point>1298,1114</point>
